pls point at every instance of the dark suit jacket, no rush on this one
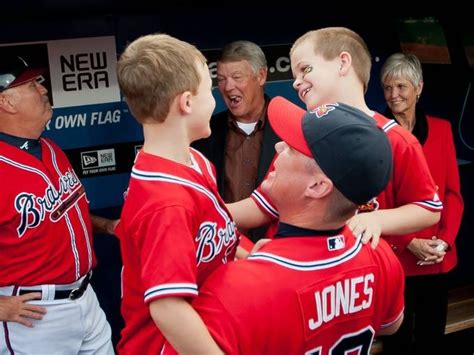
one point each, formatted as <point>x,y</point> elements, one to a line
<point>214,148</point>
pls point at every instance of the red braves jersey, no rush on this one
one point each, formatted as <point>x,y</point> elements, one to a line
<point>411,180</point>
<point>174,231</point>
<point>441,157</point>
<point>313,295</point>
<point>45,228</point>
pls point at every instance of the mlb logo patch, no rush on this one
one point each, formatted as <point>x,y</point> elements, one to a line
<point>336,243</point>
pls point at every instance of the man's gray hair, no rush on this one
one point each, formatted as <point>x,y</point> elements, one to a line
<point>244,50</point>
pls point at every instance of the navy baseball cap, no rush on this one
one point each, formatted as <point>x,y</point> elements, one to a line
<point>345,142</point>
<point>15,71</point>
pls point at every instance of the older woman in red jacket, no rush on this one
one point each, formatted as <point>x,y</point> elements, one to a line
<point>431,253</point>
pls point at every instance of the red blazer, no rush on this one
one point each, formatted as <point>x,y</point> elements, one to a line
<point>441,157</point>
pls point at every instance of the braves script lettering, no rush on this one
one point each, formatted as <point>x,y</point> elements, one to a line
<point>211,240</point>
<point>32,208</point>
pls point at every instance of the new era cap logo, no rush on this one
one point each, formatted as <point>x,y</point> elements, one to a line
<point>323,110</point>
<point>98,158</point>
<point>88,160</point>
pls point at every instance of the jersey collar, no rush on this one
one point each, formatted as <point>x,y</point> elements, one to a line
<point>287,230</point>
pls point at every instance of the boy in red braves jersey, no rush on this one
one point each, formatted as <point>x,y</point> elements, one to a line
<point>315,288</point>
<point>46,230</point>
<point>333,64</point>
<point>174,228</point>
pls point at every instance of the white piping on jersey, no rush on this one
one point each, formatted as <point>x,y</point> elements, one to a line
<point>56,167</point>
<point>195,165</point>
<point>207,163</point>
<point>53,157</point>
<point>389,125</point>
<point>265,204</point>
<point>172,179</point>
<point>430,204</point>
<point>170,289</point>
<point>77,260</point>
<point>310,265</point>
<point>73,246</point>
<point>26,167</point>
<point>86,235</point>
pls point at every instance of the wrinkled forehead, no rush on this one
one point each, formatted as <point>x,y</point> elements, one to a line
<point>230,67</point>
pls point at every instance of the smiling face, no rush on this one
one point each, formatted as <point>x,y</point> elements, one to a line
<point>242,89</point>
<point>400,94</point>
<point>316,79</point>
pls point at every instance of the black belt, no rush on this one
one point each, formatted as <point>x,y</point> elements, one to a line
<point>72,294</point>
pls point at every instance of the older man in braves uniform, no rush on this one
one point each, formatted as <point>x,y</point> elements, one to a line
<point>45,229</point>
<point>315,288</point>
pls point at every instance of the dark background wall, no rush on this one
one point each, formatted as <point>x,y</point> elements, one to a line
<point>447,93</point>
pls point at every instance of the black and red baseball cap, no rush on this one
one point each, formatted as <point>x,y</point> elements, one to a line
<point>345,142</point>
<point>15,71</point>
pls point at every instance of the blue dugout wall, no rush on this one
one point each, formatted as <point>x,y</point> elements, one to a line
<point>80,44</point>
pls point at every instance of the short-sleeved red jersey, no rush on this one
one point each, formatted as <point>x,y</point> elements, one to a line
<point>45,227</point>
<point>309,294</point>
<point>174,231</point>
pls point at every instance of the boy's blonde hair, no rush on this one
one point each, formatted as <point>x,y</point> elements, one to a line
<point>153,70</point>
<point>331,41</point>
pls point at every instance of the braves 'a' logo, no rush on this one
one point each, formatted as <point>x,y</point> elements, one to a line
<point>211,240</point>
<point>32,208</point>
<point>323,110</point>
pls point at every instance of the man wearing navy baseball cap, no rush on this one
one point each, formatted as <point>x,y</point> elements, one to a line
<point>315,287</point>
<point>344,142</point>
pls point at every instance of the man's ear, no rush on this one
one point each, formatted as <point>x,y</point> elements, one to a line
<point>262,76</point>
<point>6,104</point>
<point>185,102</point>
<point>320,187</point>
